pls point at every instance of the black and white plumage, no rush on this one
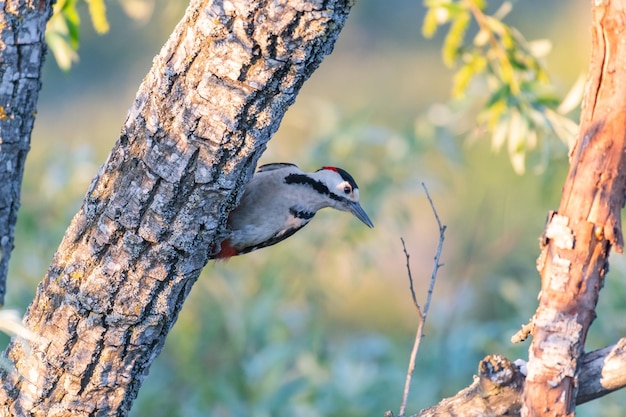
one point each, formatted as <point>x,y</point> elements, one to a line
<point>280,199</point>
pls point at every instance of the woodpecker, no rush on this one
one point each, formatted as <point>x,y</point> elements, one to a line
<point>280,199</point>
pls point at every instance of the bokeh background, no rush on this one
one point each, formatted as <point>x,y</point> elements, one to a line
<point>323,324</point>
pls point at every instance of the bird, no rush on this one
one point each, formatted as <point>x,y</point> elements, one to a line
<point>280,199</point>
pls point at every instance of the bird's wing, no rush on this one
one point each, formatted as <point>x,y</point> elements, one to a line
<point>279,237</point>
<point>275,165</point>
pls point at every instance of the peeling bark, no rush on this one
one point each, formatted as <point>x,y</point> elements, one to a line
<point>578,240</point>
<point>201,119</point>
<point>22,51</point>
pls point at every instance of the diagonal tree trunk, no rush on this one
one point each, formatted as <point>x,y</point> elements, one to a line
<point>202,117</point>
<point>22,51</point>
<point>579,237</point>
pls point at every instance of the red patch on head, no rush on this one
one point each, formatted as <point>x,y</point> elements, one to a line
<point>331,169</point>
<point>226,251</point>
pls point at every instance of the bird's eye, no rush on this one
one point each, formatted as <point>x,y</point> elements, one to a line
<point>347,189</point>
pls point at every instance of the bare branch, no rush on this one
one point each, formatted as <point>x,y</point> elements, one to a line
<point>409,374</point>
<point>523,333</point>
<point>497,389</point>
<point>436,265</point>
<point>408,269</point>
<point>422,314</point>
<point>602,372</point>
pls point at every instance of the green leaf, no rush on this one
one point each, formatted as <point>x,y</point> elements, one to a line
<point>439,13</point>
<point>430,25</point>
<point>481,4</point>
<point>461,79</point>
<point>507,39</point>
<point>500,94</point>
<point>97,11</point>
<point>72,20</point>
<point>503,10</point>
<point>454,38</point>
<point>518,130</point>
<point>542,75</point>
<point>493,114</point>
<point>521,107</point>
<point>62,50</point>
<point>508,76</point>
<point>540,48</point>
<point>518,160</point>
<point>436,3</point>
<point>573,97</point>
<point>475,65</point>
<point>62,33</point>
<point>482,38</point>
<point>563,127</point>
<point>495,25</point>
<point>500,133</point>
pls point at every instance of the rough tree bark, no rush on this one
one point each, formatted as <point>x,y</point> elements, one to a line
<point>22,50</point>
<point>578,238</point>
<point>497,389</point>
<point>202,117</point>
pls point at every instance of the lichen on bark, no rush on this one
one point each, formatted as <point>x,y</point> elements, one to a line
<point>22,50</point>
<point>201,119</point>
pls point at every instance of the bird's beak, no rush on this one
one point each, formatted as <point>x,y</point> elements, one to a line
<point>356,209</point>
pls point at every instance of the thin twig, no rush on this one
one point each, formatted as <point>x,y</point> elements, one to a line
<point>409,374</point>
<point>408,268</point>
<point>436,265</point>
<point>422,314</point>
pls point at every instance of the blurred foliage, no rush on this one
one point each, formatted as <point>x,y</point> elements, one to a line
<point>63,30</point>
<point>323,324</point>
<point>520,108</point>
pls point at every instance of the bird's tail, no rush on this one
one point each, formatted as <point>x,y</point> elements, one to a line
<point>226,251</point>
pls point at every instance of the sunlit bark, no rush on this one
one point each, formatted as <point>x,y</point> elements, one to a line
<point>202,117</point>
<point>579,236</point>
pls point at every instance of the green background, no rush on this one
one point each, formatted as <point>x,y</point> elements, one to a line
<point>323,324</point>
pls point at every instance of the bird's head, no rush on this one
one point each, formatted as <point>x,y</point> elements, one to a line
<point>344,193</point>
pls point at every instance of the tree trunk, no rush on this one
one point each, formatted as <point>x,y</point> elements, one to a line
<point>22,51</point>
<point>202,117</point>
<point>578,238</point>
